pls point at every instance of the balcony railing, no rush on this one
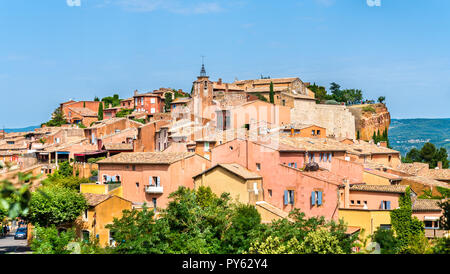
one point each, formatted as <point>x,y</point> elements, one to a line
<point>154,189</point>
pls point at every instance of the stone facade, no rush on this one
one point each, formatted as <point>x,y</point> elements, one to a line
<point>338,120</point>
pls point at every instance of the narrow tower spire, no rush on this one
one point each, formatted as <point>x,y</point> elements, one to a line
<point>203,71</point>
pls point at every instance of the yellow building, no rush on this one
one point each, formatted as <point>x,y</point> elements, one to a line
<point>369,220</point>
<point>377,177</point>
<point>243,185</point>
<point>102,211</point>
<point>110,189</point>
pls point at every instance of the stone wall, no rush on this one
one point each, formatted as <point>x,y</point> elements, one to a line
<point>337,119</point>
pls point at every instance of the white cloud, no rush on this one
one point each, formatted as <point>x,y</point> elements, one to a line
<point>174,6</point>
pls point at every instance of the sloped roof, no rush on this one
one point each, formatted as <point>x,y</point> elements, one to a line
<point>95,199</point>
<point>426,205</point>
<point>86,112</point>
<point>380,188</point>
<point>118,146</point>
<point>146,158</point>
<point>235,169</point>
<point>386,175</point>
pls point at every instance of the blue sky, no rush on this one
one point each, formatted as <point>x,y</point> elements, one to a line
<point>51,51</point>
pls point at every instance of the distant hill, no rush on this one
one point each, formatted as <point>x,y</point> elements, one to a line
<point>31,128</point>
<point>405,134</point>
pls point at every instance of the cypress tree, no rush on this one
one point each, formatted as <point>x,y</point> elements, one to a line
<point>374,137</point>
<point>358,135</point>
<point>271,94</point>
<point>100,111</point>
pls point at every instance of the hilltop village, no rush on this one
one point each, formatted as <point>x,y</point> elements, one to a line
<point>266,142</point>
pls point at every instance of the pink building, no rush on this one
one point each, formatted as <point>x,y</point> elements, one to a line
<point>285,185</point>
<point>149,177</point>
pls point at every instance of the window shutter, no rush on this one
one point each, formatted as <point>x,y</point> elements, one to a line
<point>295,164</point>
<point>388,204</point>
<point>382,204</point>
<point>319,198</point>
<point>285,197</point>
<point>313,198</point>
<point>150,180</point>
<point>158,181</point>
<point>329,158</point>
<point>325,157</point>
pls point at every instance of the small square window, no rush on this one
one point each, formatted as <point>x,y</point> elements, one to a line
<point>358,202</point>
<point>352,202</point>
<point>137,185</point>
<point>258,166</point>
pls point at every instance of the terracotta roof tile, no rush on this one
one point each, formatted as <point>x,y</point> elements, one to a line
<point>95,199</point>
<point>426,205</point>
<point>379,188</point>
<point>146,158</point>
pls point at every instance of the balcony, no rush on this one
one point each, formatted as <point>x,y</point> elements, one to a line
<point>154,189</point>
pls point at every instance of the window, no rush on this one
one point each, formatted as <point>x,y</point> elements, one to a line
<point>389,158</point>
<point>206,146</point>
<point>231,148</point>
<point>270,192</point>
<point>358,202</point>
<point>352,202</point>
<point>386,227</point>
<point>137,185</point>
<point>154,204</point>
<point>313,132</point>
<point>152,100</point>
<point>316,198</point>
<point>258,166</point>
<point>133,167</point>
<point>288,197</point>
<point>153,110</point>
<point>386,205</point>
<point>85,236</point>
<point>283,102</point>
<point>85,215</point>
<point>112,242</point>
<point>318,132</point>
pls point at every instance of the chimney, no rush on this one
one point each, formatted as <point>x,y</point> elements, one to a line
<point>439,164</point>
<point>383,144</point>
<point>135,92</point>
<point>346,193</point>
<point>220,81</point>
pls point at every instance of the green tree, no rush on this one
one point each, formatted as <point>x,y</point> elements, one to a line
<point>137,232</point>
<point>49,241</point>
<point>58,119</point>
<point>124,112</point>
<point>167,101</point>
<point>428,154</point>
<point>275,245</point>
<point>405,226</point>
<point>321,242</point>
<point>261,97</point>
<point>65,169</point>
<point>100,111</point>
<point>245,223</point>
<point>14,202</point>
<point>386,239</point>
<point>358,136</point>
<point>96,99</point>
<point>55,205</point>
<point>271,94</point>
<point>381,99</point>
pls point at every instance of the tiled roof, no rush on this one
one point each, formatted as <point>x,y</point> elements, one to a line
<point>235,169</point>
<point>426,181</point>
<point>95,199</point>
<point>181,100</point>
<point>298,96</point>
<point>118,146</point>
<point>146,158</point>
<point>84,112</point>
<point>379,188</point>
<point>265,89</point>
<point>426,205</point>
<point>273,209</point>
<point>383,174</point>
